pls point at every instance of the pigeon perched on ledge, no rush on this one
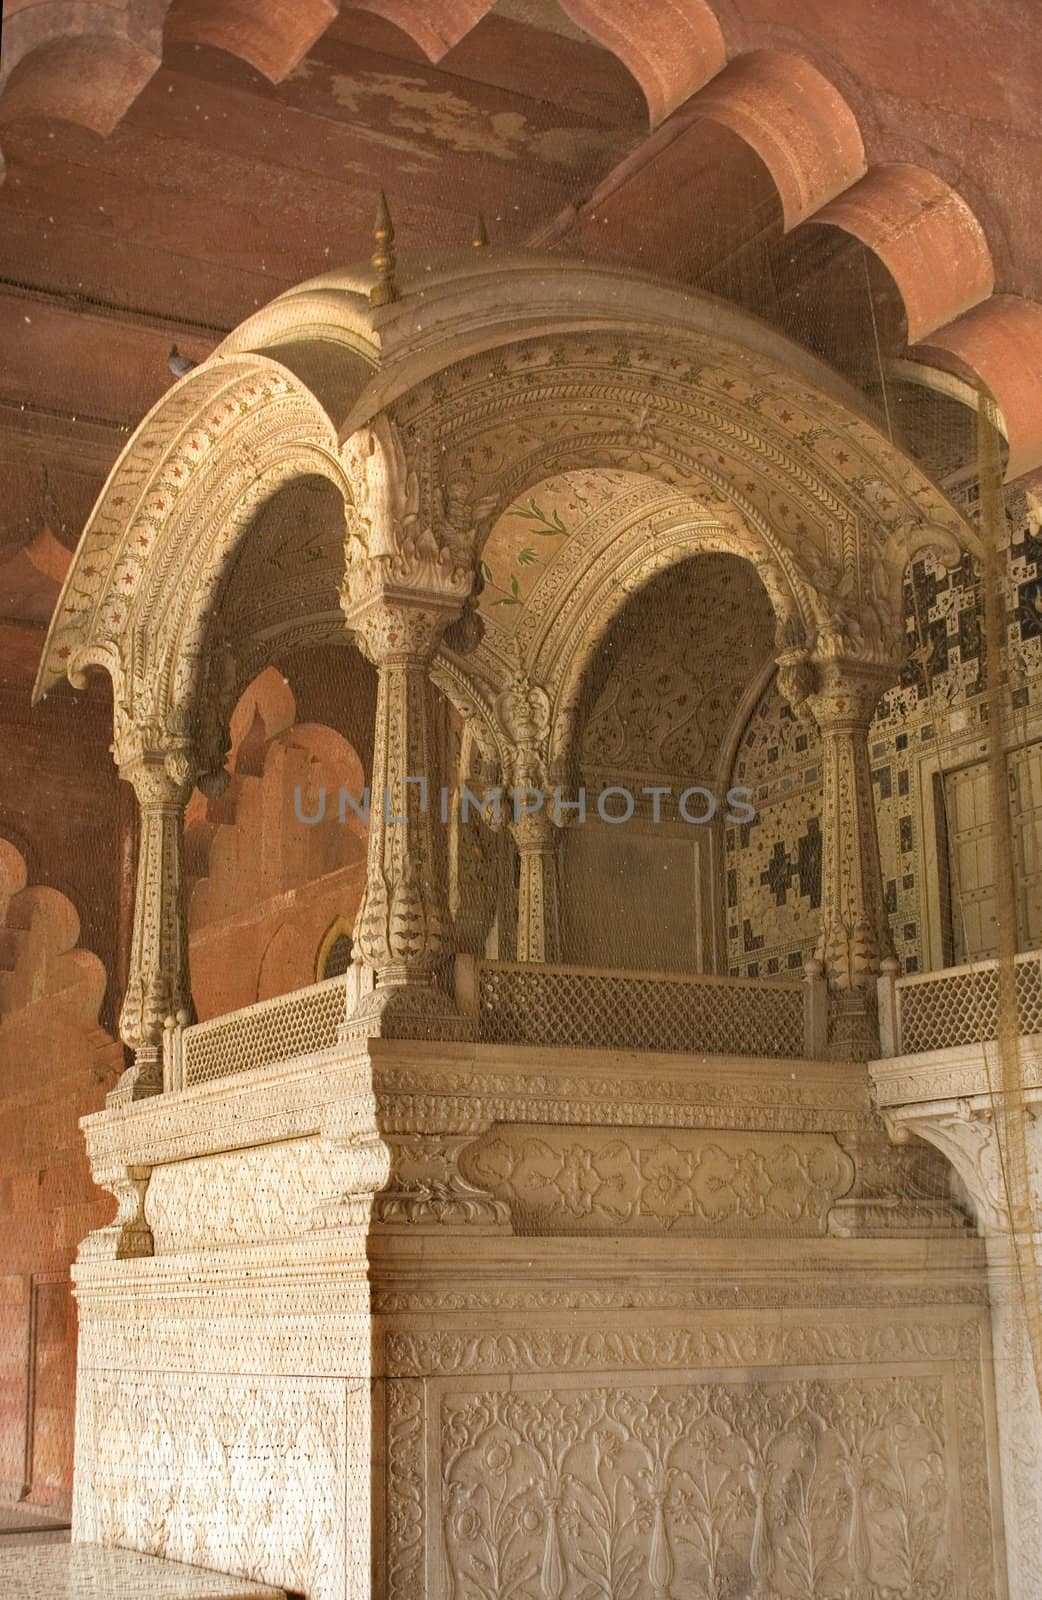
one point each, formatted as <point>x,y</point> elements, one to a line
<point>179,365</point>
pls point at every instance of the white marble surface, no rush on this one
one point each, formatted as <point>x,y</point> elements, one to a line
<point>87,1572</point>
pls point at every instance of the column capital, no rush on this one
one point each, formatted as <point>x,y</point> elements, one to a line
<point>523,713</point>
<point>393,625</point>
<point>410,570</point>
<point>535,831</point>
<point>159,764</point>
<point>838,691</point>
<point>846,692</point>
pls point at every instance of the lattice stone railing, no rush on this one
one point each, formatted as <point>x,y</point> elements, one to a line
<point>272,1030</point>
<point>939,1010</point>
<point>517,1003</point>
<point>591,1008</point>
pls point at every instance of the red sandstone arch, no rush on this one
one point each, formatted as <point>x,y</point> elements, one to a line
<point>83,63</point>
<point>1000,344</point>
<point>12,874</point>
<point>925,235</point>
<point>272,35</point>
<point>672,47</point>
<point>797,122</point>
<point>264,885</point>
<point>435,25</point>
<point>40,957</point>
<point>57,1064</point>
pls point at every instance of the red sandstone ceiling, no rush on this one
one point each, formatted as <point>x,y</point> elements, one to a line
<point>866,174</point>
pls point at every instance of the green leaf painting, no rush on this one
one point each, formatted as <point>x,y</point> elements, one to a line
<point>542,524</point>
<point>545,527</point>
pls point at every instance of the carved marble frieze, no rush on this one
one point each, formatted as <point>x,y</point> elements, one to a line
<point>578,1180</point>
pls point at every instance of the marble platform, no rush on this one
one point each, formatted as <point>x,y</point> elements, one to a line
<point>379,1320</point>
<point>87,1572</point>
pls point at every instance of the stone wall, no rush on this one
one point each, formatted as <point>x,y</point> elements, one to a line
<point>266,892</point>
<point>56,1064</point>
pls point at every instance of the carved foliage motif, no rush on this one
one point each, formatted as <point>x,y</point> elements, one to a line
<point>426,1188</point>
<point>577,1181</point>
<point>241,1475</point>
<point>779,1489</point>
<point>387,541</point>
<point>406,1440</point>
<point>523,713</point>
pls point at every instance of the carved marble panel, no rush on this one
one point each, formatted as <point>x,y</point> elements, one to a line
<point>859,1472</point>
<point>829,1485</point>
<point>242,1196</point>
<point>580,1180</point>
<point>246,1475</point>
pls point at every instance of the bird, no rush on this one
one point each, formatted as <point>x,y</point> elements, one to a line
<point>179,365</point>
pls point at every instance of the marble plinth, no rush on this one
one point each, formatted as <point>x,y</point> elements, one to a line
<point>88,1572</point>
<point>425,1321</point>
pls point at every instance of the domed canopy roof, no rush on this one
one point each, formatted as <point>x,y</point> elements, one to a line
<point>496,370</point>
<point>451,304</point>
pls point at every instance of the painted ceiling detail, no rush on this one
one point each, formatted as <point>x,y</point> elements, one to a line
<point>533,531</point>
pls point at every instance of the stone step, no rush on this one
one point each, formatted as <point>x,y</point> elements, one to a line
<point>22,1518</point>
<point>89,1572</point>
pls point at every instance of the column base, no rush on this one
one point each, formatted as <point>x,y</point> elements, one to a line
<point>407,1011</point>
<point>853,1029</point>
<point>144,1077</point>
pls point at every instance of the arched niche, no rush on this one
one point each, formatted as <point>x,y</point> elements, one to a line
<point>661,688</point>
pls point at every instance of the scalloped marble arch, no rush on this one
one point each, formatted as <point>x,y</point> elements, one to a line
<point>144,585</point>
<point>624,545</point>
<point>501,370</point>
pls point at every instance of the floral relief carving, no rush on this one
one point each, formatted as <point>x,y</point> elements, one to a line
<point>426,1187</point>
<point>578,1180</point>
<point>243,1196</point>
<point>387,539</point>
<point>837,1488</point>
<point>755,1342</point>
<point>674,687</point>
<point>240,1475</point>
<point>406,1509</point>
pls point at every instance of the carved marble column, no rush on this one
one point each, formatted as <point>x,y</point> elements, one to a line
<point>402,922</point>
<point>523,712</point>
<point>841,695</point>
<point>406,581</point>
<point>161,769</point>
<point>965,1131</point>
<point>538,898</point>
